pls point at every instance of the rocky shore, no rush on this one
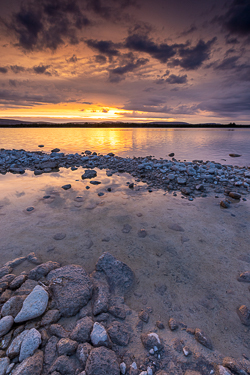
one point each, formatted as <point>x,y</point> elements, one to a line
<point>62,320</point>
<point>193,179</point>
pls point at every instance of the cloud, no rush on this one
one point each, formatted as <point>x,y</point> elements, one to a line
<point>72,59</point>
<point>13,82</point>
<point>105,110</point>
<point>117,74</point>
<point>47,24</point>
<point>173,79</point>
<point>110,9</point>
<point>189,31</point>
<point>193,57</point>
<point>100,59</point>
<point>41,69</point>
<point>3,70</point>
<point>104,47</point>
<point>17,69</point>
<point>141,43</point>
<point>237,18</point>
<point>228,63</point>
<point>89,103</point>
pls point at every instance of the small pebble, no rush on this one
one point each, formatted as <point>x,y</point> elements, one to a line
<point>100,194</point>
<point>59,236</point>
<point>29,209</point>
<point>66,187</point>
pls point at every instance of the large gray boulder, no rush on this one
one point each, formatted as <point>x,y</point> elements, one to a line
<point>29,344</point>
<point>120,277</point>
<point>31,365</point>
<point>71,289</point>
<point>102,361</point>
<point>34,305</point>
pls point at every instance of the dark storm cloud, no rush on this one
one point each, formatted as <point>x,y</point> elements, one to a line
<point>142,43</point>
<point>104,47</point>
<point>117,74</point>
<point>41,69</point>
<point>17,69</point>
<point>3,70</point>
<point>173,79</point>
<point>100,59</point>
<point>237,18</point>
<point>47,24</point>
<point>193,57</point>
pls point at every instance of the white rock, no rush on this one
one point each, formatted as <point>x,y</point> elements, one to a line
<point>98,334</point>
<point>15,346</point>
<point>6,324</point>
<point>149,371</point>
<point>134,366</point>
<point>4,363</point>
<point>30,343</point>
<point>34,305</point>
<point>123,368</point>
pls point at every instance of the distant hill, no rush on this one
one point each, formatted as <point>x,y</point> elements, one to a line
<point>18,122</point>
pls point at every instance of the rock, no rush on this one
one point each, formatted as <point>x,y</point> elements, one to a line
<point>59,236</point>
<point>203,339</point>
<point>89,173</point>
<point>42,270</point>
<point>117,311</point>
<point>244,277</point>
<point>71,289</point>
<point>50,352</point>
<point>173,325</point>
<point>31,365</point>
<point>159,324</point>
<point>30,344</point>
<point>120,277</point>
<point>99,335</point>
<point>34,305</point>
<point>234,195</point>
<point>233,366</point>
<point>151,340</point>
<point>119,333</point>
<point>221,370</point>
<point>66,187</point>
<point>234,155</point>
<point>244,315</point>
<point>50,317</point>
<point>5,296</point>
<point>83,352</point>
<point>123,368</point>
<point>55,150</point>
<point>26,288</point>
<point>82,330</point>
<point>65,365</point>
<point>4,363</point>
<point>15,262</point>
<point>14,348</point>
<point>176,227</point>
<point>181,180</point>
<point>58,330</point>
<point>17,282</point>
<point>126,228</point>
<point>30,209</point>
<point>5,324</point>
<point>171,155</point>
<point>142,233</point>
<point>7,278</point>
<point>186,191</point>
<point>102,361</point>
<point>66,347</point>
<point>5,342</point>
<point>5,270</point>
<point>143,315</point>
<point>100,299</point>
<point>13,306</point>
<point>33,259</point>
<point>200,187</point>
<point>224,204</point>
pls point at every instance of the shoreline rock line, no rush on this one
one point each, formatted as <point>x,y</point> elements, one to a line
<point>62,320</point>
<point>193,179</point>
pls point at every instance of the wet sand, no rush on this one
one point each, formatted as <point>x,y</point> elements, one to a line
<point>186,256</point>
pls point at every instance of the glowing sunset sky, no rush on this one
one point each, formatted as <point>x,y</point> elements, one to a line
<point>125,60</point>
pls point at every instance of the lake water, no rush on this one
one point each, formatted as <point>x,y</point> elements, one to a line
<point>187,144</point>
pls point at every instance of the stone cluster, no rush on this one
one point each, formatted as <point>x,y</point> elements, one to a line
<point>61,320</point>
<point>192,178</point>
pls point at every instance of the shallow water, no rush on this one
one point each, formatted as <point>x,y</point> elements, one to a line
<point>187,144</point>
<point>189,274</point>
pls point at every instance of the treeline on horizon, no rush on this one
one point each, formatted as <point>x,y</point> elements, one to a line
<point>119,125</point>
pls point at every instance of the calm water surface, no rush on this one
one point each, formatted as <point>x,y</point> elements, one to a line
<point>187,144</point>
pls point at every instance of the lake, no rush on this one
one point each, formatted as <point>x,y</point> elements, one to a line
<point>187,144</point>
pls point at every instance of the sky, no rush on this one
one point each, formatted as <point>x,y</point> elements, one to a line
<point>125,60</point>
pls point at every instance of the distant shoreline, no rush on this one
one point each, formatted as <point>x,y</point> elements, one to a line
<point>124,125</point>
